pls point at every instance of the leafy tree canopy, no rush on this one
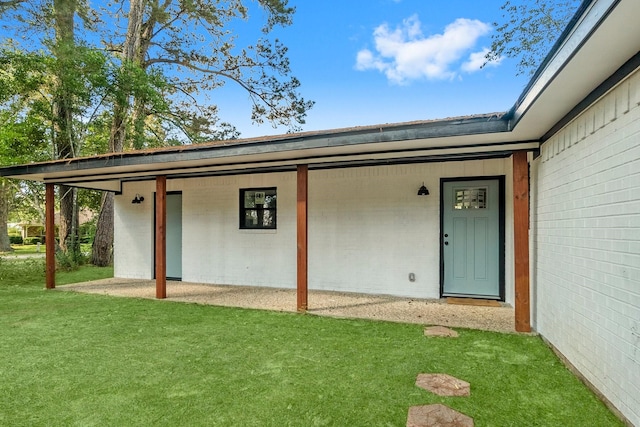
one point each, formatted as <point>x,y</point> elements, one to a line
<point>186,50</point>
<point>527,31</point>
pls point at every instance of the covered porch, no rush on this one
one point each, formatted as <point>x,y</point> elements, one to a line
<point>458,141</point>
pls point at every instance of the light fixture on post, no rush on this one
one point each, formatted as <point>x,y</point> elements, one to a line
<point>423,191</point>
<point>138,199</point>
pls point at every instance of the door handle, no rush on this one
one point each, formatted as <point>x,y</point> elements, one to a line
<point>446,243</point>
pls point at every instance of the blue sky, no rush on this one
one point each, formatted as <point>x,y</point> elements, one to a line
<point>384,61</point>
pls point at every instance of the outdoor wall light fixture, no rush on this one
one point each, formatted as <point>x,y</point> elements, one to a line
<point>423,191</point>
<point>138,199</point>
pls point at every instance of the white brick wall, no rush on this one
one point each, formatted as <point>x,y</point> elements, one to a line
<point>367,229</point>
<point>217,251</point>
<point>133,232</point>
<point>586,240</point>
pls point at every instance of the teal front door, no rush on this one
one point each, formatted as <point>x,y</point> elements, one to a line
<point>471,238</point>
<point>174,236</point>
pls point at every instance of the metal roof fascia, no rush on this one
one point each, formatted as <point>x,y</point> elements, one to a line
<point>585,21</point>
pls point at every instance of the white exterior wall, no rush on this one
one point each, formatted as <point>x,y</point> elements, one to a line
<point>133,232</point>
<point>368,229</point>
<point>215,250</point>
<point>586,240</point>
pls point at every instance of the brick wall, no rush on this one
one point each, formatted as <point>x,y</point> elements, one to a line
<point>586,244</point>
<point>217,251</point>
<point>368,229</point>
<point>133,232</point>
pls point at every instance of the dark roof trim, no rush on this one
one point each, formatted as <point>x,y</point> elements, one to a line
<point>336,165</point>
<point>586,20</point>
<point>171,171</point>
<point>619,75</point>
<point>462,126</point>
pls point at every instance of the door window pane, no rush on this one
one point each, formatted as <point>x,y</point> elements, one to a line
<point>470,198</point>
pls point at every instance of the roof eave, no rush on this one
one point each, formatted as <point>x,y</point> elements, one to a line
<point>379,135</point>
<point>586,20</point>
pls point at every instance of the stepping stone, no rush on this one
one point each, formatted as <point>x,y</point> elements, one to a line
<point>443,385</point>
<point>437,416</point>
<point>439,331</point>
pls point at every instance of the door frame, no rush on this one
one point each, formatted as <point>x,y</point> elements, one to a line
<point>501,227</point>
<point>176,279</point>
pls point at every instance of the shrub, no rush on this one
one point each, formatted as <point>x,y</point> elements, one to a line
<point>15,240</point>
<point>69,261</point>
<point>32,241</point>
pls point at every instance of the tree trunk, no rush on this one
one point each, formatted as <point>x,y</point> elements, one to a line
<point>103,242</point>
<point>5,244</point>
<point>64,12</point>
<point>102,253</point>
<point>69,223</point>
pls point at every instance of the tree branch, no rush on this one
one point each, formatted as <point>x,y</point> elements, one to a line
<point>6,4</point>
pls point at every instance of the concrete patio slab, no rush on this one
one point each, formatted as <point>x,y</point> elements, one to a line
<point>323,303</point>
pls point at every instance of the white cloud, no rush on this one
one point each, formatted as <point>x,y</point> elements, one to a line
<point>476,60</point>
<point>405,54</point>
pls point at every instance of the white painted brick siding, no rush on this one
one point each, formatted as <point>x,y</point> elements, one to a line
<point>133,233</point>
<point>586,240</point>
<point>217,251</point>
<point>368,229</point>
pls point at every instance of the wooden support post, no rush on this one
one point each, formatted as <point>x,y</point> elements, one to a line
<point>50,237</point>
<point>161,237</point>
<point>521,240</point>
<point>302,286</point>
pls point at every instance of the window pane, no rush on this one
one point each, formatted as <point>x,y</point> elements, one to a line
<point>270,200</point>
<point>268,218</point>
<point>258,208</point>
<point>470,198</point>
<point>251,218</point>
<point>249,199</point>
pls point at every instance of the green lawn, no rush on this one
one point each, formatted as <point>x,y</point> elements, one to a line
<point>24,249</point>
<point>79,359</point>
<point>33,249</point>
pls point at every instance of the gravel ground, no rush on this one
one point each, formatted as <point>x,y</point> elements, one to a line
<point>324,303</point>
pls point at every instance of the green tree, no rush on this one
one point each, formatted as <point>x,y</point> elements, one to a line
<point>165,59</point>
<point>527,31</point>
<point>23,135</point>
<point>19,138</point>
<point>56,96</point>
